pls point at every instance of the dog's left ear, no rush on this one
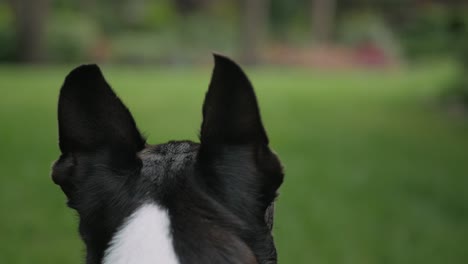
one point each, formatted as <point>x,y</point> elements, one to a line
<point>91,116</point>
<point>238,165</point>
<point>92,120</point>
<point>97,134</point>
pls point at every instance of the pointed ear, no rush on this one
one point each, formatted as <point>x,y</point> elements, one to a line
<point>230,112</point>
<point>91,116</point>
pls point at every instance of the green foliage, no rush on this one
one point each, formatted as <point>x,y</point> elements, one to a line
<point>457,95</point>
<point>290,18</point>
<point>459,49</point>
<point>374,173</point>
<point>177,39</point>
<point>160,15</point>
<point>362,26</point>
<point>419,29</point>
<point>70,37</point>
<point>7,34</point>
<point>429,33</point>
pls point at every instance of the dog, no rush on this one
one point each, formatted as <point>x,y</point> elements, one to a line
<point>178,202</point>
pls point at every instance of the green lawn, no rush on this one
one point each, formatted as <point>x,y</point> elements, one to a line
<point>375,171</point>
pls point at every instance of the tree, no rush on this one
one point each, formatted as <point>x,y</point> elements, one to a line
<point>30,22</point>
<point>323,18</point>
<point>254,23</point>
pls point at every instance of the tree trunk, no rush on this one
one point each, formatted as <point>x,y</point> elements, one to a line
<point>254,23</point>
<point>323,18</point>
<point>30,22</point>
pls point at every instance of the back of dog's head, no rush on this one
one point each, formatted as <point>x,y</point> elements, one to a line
<point>218,193</point>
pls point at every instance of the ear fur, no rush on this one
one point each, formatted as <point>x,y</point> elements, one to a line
<point>230,112</point>
<point>237,164</point>
<point>91,116</point>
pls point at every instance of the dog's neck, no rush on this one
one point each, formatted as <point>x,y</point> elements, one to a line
<point>143,238</point>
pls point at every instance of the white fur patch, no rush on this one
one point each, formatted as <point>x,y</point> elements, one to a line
<point>143,239</point>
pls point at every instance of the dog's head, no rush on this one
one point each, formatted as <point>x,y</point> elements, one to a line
<point>218,194</point>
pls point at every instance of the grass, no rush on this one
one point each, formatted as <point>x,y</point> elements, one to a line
<point>375,173</point>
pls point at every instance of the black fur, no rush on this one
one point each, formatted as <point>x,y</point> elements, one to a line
<point>219,193</point>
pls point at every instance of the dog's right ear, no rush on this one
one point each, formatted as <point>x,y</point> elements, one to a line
<point>92,117</point>
<point>92,120</point>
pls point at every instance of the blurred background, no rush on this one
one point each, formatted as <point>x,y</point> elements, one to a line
<point>365,101</point>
